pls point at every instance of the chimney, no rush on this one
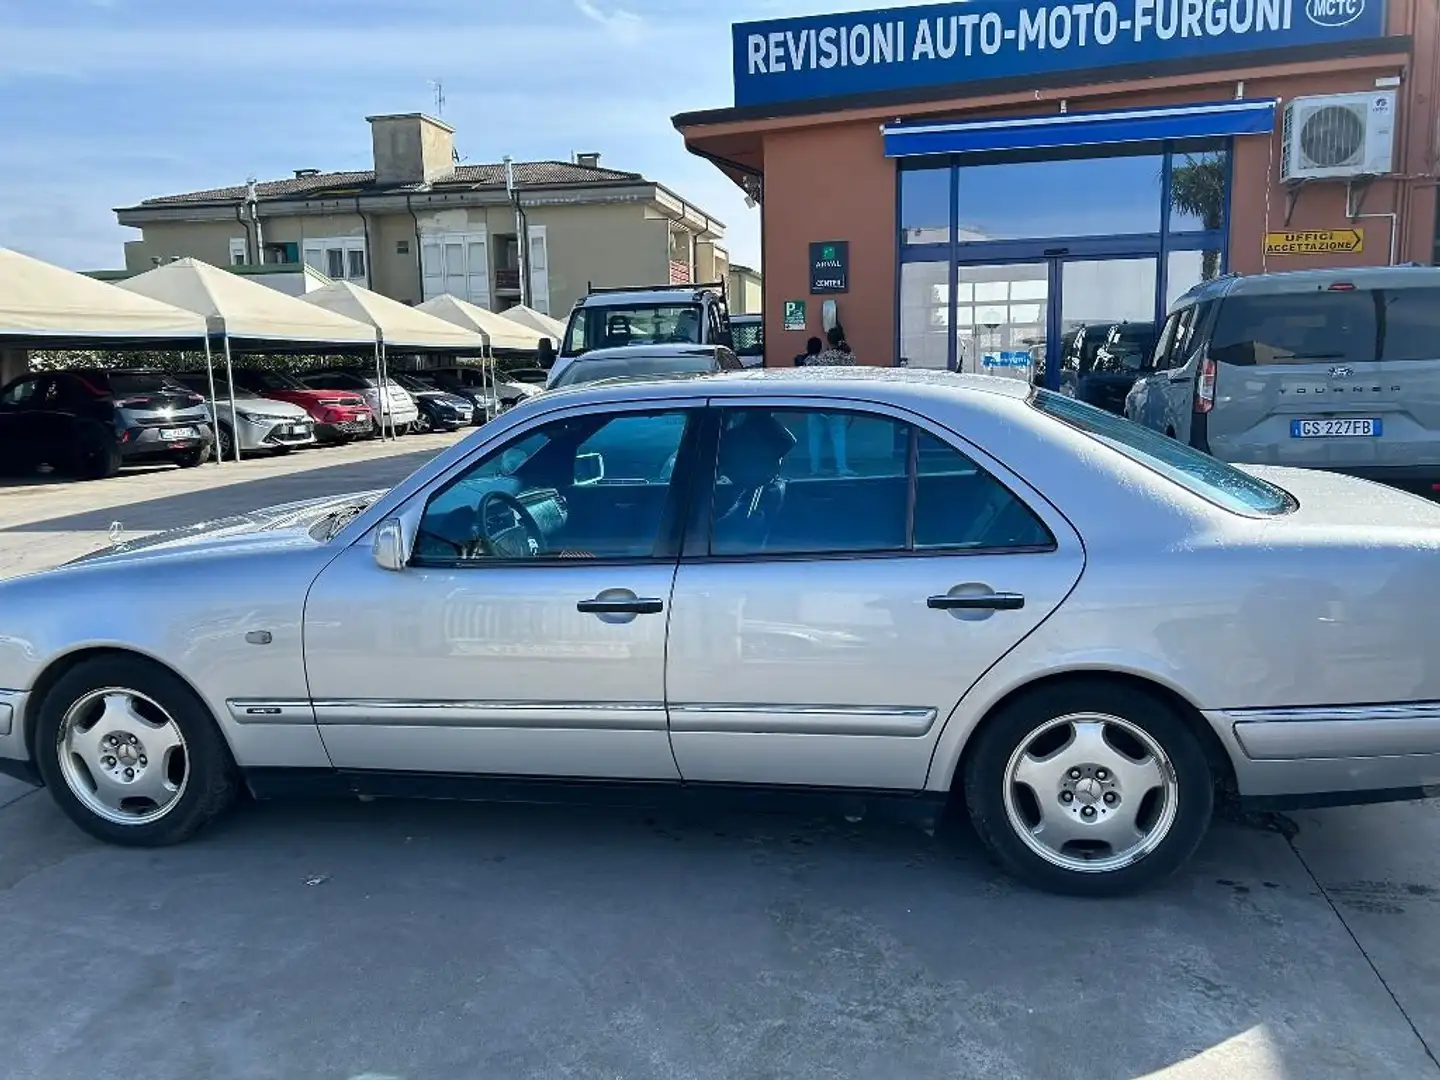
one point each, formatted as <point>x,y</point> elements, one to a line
<point>588,160</point>
<point>411,148</point>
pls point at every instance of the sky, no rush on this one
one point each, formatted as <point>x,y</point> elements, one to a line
<point>104,103</point>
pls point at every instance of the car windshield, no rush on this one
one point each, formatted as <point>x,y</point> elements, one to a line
<point>636,367</point>
<point>413,382</point>
<point>222,391</point>
<point>610,327</point>
<point>274,380</point>
<point>1222,484</point>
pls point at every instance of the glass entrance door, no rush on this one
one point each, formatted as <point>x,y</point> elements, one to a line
<point>1105,330</point>
<point>1002,316</point>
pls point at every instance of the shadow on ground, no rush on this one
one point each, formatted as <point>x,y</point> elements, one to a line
<point>414,940</point>
<point>175,511</point>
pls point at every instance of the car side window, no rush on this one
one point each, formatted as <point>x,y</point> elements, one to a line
<point>1165,346</point>
<point>20,394</point>
<point>825,481</point>
<point>596,486</point>
<point>961,506</point>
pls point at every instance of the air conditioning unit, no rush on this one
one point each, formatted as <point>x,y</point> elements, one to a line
<point>1336,136</point>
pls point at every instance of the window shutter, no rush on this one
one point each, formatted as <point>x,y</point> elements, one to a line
<point>539,270</point>
<point>477,269</point>
<point>315,257</point>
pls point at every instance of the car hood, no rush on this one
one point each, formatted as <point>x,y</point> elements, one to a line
<point>261,407</point>
<point>270,526</point>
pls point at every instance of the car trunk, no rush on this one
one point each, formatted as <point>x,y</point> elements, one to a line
<point>1339,378</point>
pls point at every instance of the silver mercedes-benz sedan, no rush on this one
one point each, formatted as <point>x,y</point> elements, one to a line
<point>866,588</point>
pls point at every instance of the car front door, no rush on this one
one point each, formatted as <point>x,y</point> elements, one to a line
<point>855,573</point>
<point>526,636</point>
<point>30,429</point>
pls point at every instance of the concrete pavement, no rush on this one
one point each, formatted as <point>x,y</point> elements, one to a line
<point>413,941</point>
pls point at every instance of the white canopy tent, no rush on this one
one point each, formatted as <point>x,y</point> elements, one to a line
<point>536,320</point>
<point>498,331</point>
<point>400,328</point>
<point>256,318</point>
<point>45,307</point>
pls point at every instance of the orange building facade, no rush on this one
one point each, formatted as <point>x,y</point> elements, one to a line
<point>987,211</point>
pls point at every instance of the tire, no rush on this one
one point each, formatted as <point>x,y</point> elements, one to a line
<point>96,454</point>
<point>422,425</point>
<point>191,458</point>
<point>197,778</point>
<point>1100,731</point>
<point>223,448</point>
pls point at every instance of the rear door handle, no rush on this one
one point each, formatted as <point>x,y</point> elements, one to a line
<point>639,605</point>
<point>1000,601</point>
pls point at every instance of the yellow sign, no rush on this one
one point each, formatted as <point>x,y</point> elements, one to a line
<point>1314,242</point>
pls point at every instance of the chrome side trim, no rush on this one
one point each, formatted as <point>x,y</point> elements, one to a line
<point>265,711</point>
<point>538,715</point>
<point>1334,732</point>
<point>788,719</point>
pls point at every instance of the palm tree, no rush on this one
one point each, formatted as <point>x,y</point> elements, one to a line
<point>1197,187</point>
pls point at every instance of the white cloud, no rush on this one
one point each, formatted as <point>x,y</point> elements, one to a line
<point>625,25</point>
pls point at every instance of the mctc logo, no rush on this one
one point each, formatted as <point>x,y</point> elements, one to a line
<point>1334,12</point>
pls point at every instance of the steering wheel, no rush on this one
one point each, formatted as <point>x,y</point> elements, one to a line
<point>508,529</point>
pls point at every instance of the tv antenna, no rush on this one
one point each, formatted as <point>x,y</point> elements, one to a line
<point>439,88</point>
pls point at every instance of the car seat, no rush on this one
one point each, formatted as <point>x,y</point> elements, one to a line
<point>749,493</point>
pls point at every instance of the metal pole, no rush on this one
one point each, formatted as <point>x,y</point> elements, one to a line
<point>234,412</point>
<point>382,399</point>
<point>214,405</point>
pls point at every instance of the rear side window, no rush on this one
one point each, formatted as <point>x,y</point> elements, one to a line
<point>1409,324</point>
<point>1296,328</point>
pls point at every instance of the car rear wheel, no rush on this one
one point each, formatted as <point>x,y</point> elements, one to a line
<point>131,754</point>
<point>96,454</point>
<point>1089,789</point>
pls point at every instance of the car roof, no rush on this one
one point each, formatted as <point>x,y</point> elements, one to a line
<point>1299,281</point>
<point>647,352</point>
<point>807,382</point>
<point>660,297</point>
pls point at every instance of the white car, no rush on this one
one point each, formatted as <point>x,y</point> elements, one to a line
<point>395,404</point>
<point>276,427</point>
<point>851,586</point>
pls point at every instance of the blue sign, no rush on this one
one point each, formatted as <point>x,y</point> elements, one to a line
<point>1007,358</point>
<point>824,56</point>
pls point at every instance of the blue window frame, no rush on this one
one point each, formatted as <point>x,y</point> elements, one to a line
<point>1169,199</point>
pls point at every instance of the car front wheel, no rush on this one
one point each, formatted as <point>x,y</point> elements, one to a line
<point>1089,789</point>
<point>131,754</point>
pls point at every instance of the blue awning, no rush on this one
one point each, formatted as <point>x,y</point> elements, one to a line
<point>1082,129</point>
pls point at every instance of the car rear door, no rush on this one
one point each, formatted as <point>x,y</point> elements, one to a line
<point>847,577</point>
<point>1342,377</point>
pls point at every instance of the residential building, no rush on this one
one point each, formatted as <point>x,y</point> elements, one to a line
<point>419,224</point>
<point>746,290</point>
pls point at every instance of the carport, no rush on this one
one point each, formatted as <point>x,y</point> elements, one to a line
<point>250,318</point>
<point>499,332</point>
<point>45,307</point>
<point>400,328</point>
<point>536,320</point>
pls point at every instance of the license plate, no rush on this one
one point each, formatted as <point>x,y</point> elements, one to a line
<point>175,434</point>
<point>1335,428</point>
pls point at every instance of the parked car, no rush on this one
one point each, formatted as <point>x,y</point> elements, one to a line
<point>1078,347</point>
<point>339,415</point>
<point>958,614</point>
<point>276,427</point>
<point>641,361</point>
<point>89,421</point>
<point>748,334</point>
<point>1124,352</point>
<point>396,407</point>
<point>439,409</point>
<point>1326,369</point>
<point>471,383</point>
<point>647,315</point>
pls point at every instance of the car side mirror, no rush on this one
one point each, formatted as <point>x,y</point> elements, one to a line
<point>546,353</point>
<point>589,468</point>
<point>392,552</point>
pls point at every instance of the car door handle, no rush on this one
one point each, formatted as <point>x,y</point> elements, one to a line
<point>1000,601</point>
<point>639,605</point>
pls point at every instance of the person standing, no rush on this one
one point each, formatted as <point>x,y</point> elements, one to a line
<point>819,425</point>
<point>812,349</point>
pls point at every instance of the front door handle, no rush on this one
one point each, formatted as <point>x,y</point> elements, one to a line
<point>638,605</point>
<point>1000,601</point>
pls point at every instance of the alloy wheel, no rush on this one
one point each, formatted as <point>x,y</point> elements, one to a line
<point>122,756</point>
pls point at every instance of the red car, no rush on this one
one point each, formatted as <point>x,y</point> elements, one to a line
<point>339,415</point>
